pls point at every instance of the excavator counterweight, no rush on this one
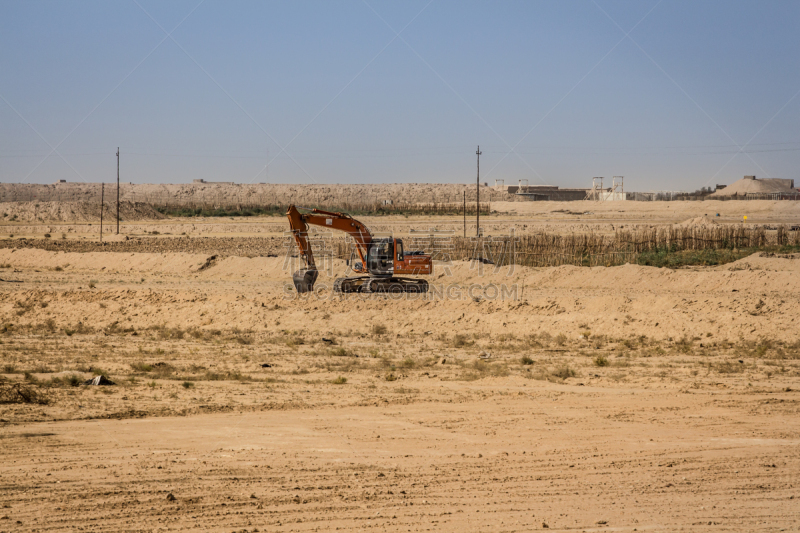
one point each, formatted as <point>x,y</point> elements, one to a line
<point>381,260</point>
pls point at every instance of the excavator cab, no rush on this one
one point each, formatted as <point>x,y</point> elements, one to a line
<point>386,257</point>
<point>380,258</point>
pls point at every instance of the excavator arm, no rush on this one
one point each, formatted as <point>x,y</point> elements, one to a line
<point>305,277</point>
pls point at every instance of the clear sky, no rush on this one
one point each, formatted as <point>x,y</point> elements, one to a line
<point>673,95</point>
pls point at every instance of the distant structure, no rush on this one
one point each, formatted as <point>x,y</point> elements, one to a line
<point>540,192</point>
<point>204,182</point>
<point>754,188</point>
<point>553,193</point>
<point>598,193</point>
<point>593,194</point>
<point>616,184</point>
<point>616,193</point>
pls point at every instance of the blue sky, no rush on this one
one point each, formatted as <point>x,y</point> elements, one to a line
<point>673,95</point>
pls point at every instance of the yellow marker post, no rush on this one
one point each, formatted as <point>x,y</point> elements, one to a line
<point>745,218</point>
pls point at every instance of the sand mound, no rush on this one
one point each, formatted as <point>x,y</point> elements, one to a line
<point>753,299</point>
<point>74,212</point>
<point>699,221</point>
<point>751,185</point>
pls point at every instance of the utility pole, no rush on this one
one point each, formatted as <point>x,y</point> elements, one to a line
<point>102,204</point>
<point>465,213</point>
<point>117,190</point>
<point>478,195</point>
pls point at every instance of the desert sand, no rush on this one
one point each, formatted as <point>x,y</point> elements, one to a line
<point>625,398</point>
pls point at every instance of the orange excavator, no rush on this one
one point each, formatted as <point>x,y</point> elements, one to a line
<point>383,260</point>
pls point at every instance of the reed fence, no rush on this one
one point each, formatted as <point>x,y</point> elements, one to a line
<point>590,249</point>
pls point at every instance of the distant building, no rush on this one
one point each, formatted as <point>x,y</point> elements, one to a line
<point>204,182</point>
<point>543,192</point>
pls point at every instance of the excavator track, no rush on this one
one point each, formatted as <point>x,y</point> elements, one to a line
<point>380,285</point>
<point>348,285</point>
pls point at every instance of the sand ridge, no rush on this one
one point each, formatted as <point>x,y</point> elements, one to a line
<point>43,212</point>
<point>465,294</point>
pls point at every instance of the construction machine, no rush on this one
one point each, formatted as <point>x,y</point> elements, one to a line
<point>382,260</point>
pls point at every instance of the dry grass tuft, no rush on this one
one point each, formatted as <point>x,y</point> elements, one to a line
<point>18,393</point>
<point>408,363</point>
<point>729,367</point>
<point>480,369</point>
<point>563,372</point>
<point>340,352</point>
<point>461,341</point>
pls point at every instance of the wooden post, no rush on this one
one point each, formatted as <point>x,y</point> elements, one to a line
<point>478,195</point>
<point>102,199</point>
<point>117,190</point>
<point>465,213</point>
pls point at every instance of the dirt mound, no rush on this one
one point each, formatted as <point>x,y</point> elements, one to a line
<point>751,185</point>
<point>699,221</point>
<point>74,212</point>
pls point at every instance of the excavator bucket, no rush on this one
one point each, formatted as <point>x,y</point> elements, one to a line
<point>304,280</point>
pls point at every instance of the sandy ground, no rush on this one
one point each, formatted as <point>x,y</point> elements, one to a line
<point>623,398</point>
<point>517,458</point>
<point>757,211</point>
